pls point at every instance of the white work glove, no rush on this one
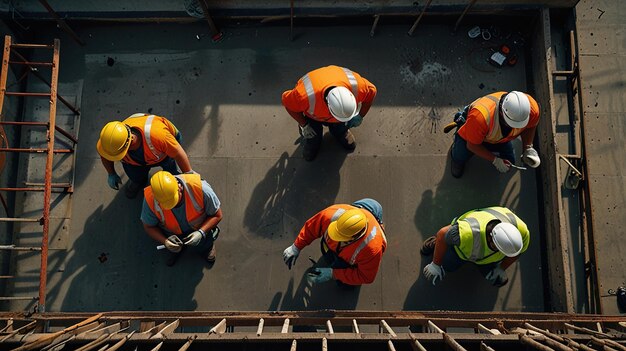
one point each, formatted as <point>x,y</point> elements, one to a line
<point>531,157</point>
<point>290,255</point>
<point>307,131</point>
<point>432,271</point>
<point>501,164</point>
<point>497,276</point>
<point>174,244</point>
<point>194,238</point>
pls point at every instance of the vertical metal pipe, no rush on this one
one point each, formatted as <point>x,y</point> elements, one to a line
<point>43,273</point>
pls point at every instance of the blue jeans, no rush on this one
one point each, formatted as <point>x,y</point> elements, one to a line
<point>460,152</point>
<point>139,174</point>
<point>452,262</point>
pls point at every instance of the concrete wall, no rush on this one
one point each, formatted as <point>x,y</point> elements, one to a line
<point>163,8</point>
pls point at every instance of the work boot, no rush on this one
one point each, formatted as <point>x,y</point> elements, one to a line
<point>428,247</point>
<point>209,255</point>
<point>132,189</point>
<point>456,168</point>
<point>348,141</point>
<point>311,148</point>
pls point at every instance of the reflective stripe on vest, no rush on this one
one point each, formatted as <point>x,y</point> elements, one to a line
<point>194,222</point>
<point>147,127</point>
<point>508,218</point>
<point>146,132</point>
<point>492,121</point>
<point>478,251</point>
<point>310,91</point>
<point>362,245</point>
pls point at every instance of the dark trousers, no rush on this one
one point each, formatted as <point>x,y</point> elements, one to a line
<point>338,130</point>
<point>460,152</point>
<point>452,262</point>
<point>139,174</point>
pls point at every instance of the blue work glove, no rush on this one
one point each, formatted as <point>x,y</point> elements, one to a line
<point>497,277</point>
<point>320,275</point>
<point>354,122</point>
<point>114,181</point>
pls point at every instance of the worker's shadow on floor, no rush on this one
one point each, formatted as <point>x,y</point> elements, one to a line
<point>114,265</point>
<point>295,189</point>
<point>330,295</point>
<point>462,290</point>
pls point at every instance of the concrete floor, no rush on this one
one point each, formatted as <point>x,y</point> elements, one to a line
<point>225,98</point>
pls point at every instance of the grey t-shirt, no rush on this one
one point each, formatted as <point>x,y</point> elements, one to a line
<point>453,238</point>
<point>211,205</point>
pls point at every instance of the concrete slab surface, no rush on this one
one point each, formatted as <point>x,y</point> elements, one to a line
<point>225,98</point>
<point>602,56</point>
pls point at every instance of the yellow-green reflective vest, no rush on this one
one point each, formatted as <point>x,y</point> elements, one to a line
<point>472,232</point>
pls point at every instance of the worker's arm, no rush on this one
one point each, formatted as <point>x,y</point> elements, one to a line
<point>312,230</point>
<point>440,246</point>
<point>108,165</point>
<point>155,233</point>
<point>481,151</point>
<point>528,135</point>
<point>180,156</point>
<point>364,272</point>
<point>507,262</point>
<point>211,221</point>
<point>298,116</point>
<point>369,98</point>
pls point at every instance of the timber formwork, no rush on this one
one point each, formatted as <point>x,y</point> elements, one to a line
<point>325,330</point>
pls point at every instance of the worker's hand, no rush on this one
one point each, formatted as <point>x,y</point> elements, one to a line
<point>114,181</point>
<point>290,255</point>
<point>354,122</point>
<point>432,271</point>
<point>194,238</point>
<point>320,275</point>
<point>531,157</point>
<point>307,131</point>
<point>501,164</point>
<point>497,277</point>
<point>174,244</point>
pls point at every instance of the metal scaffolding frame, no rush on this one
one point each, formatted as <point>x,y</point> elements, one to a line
<point>345,330</point>
<point>13,57</point>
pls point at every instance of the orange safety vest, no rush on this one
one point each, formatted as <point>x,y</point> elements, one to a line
<point>316,82</point>
<point>488,108</point>
<point>147,125</point>
<point>350,253</point>
<point>194,204</point>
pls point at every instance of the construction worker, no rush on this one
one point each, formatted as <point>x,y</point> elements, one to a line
<point>489,124</point>
<point>182,211</point>
<point>493,238</point>
<point>330,96</point>
<point>141,142</point>
<point>353,242</point>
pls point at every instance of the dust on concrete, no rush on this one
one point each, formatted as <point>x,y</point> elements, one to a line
<point>426,73</point>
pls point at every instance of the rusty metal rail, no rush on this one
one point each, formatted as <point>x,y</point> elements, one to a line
<point>48,127</point>
<point>345,330</point>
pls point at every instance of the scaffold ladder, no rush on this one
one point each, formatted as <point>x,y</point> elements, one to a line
<point>12,57</point>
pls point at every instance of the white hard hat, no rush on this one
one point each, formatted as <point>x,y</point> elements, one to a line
<point>342,104</point>
<point>507,239</point>
<point>516,109</point>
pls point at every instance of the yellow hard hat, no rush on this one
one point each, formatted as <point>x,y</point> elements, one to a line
<point>114,141</point>
<point>348,226</point>
<point>165,189</point>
